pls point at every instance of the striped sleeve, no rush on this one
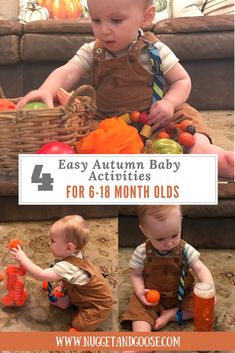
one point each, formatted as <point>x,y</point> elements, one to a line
<point>169,59</point>
<point>138,258</point>
<point>71,273</point>
<point>84,57</point>
<point>192,253</point>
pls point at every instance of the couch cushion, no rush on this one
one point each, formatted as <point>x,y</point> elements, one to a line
<point>205,233</point>
<point>10,33</point>
<point>58,38</point>
<point>59,26</point>
<point>225,207</point>
<point>56,47</point>
<point>11,211</point>
<point>216,30</point>
<point>181,43</point>
<point>10,27</point>
<point>9,73</point>
<point>206,93</point>
<point>196,24</point>
<point>9,49</point>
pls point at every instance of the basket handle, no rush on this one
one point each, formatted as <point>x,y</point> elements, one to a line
<point>2,95</point>
<point>82,91</point>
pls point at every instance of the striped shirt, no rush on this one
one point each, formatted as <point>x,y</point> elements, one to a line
<point>71,273</point>
<point>84,57</point>
<point>138,259</point>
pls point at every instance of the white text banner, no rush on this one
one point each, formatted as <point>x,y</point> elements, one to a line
<point>117,179</point>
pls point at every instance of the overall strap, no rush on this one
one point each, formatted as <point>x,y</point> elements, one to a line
<point>181,291</point>
<point>98,50</point>
<point>156,62</point>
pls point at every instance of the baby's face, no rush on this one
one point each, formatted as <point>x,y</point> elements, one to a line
<point>115,23</point>
<point>164,235</point>
<point>57,242</point>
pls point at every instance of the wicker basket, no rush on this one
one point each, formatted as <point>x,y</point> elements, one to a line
<point>26,130</point>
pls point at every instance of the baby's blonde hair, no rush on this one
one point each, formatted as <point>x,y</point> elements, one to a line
<point>76,230</point>
<point>158,212</point>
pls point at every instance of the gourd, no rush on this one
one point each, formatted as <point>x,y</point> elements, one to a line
<point>166,146</point>
<point>34,12</point>
<point>62,9</point>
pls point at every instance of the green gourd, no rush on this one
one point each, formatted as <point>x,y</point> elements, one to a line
<point>166,146</point>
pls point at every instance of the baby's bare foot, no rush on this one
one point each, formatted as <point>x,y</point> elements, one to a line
<point>165,317</point>
<point>225,158</point>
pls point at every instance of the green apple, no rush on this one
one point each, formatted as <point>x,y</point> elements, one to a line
<point>166,146</point>
<point>35,105</point>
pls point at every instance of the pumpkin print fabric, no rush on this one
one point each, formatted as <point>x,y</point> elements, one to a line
<point>63,9</point>
<point>35,10</point>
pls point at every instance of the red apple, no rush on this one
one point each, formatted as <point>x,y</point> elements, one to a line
<point>56,147</point>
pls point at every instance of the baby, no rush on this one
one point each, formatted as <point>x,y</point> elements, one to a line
<point>123,74</point>
<point>157,264</point>
<point>85,286</point>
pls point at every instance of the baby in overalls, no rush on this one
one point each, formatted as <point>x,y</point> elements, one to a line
<point>123,74</point>
<point>85,287</point>
<point>157,264</point>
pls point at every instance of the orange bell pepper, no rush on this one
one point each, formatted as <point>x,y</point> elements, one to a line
<point>6,104</point>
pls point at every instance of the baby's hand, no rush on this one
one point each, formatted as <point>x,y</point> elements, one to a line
<point>142,298</point>
<point>59,290</point>
<point>17,253</point>
<point>161,113</point>
<point>39,94</point>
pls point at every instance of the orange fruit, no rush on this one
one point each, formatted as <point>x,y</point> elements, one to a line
<point>185,123</point>
<point>135,116</point>
<point>186,139</point>
<point>153,296</point>
<point>163,135</point>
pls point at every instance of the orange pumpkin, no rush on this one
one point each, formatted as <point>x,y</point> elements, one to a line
<point>62,9</point>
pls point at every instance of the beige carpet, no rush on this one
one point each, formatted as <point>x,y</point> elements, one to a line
<point>37,314</point>
<point>221,125</point>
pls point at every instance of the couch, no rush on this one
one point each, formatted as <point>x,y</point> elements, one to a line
<point>29,52</point>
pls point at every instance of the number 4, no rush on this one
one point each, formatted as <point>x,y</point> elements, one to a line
<point>45,181</point>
